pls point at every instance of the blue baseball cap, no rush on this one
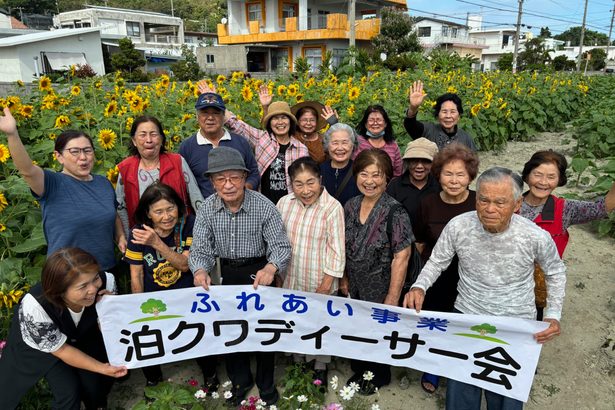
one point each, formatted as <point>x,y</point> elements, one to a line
<point>206,100</point>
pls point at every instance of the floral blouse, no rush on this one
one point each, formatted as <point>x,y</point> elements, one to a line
<point>368,251</point>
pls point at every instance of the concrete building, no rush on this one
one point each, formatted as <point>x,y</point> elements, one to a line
<point>26,56</point>
<point>159,36</point>
<point>273,33</point>
<point>435,33</point>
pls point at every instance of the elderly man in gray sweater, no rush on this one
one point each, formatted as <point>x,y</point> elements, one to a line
<point>497,250</point>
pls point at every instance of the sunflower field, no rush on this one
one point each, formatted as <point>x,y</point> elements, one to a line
<point>498,107</point>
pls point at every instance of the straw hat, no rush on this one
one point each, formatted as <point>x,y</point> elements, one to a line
<point>421,148</point>
<point>277,108</point>
<point>316,106</point>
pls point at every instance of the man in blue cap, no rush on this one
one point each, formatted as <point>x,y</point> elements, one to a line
<point>210,111</point>
<point>245,230</point>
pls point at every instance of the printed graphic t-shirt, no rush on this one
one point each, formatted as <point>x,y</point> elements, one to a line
<point>273,181</point>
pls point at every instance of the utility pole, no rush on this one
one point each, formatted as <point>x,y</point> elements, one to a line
<point>608,45</point>
<point>580,56</point>
<point>352,34</point>
<point>517,35</point>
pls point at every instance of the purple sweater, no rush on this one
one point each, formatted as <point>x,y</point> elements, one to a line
<point>391,148</point>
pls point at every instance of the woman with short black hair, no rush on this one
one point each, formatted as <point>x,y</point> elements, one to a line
<point>447,110</point>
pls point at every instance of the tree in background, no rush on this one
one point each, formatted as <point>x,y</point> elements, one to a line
<point>444,60</point>
<point>17,7</point>
<point>397,36</point>
<point>534,55</point>
<point>573,34</point>
<point>597,60</point>
<point>545,32</point>
<point>505,62</point>
<point>188,68</point>
<point>128,60</point>
<point>562,63</point>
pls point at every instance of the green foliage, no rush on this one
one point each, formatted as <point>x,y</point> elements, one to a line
<point>301,66</point>
<point>297,382</point>
<point>597,60</point>
<point>154,306</point>
<point>405,61</point>
<point>128,59</point>
<point>396,33</point>
<point>357,61</point>
<point>444,60</point>
<point>27,6</point>
<point>573,34</point>
<point>534,55</point>
<point>188,68</point>
<point>545,32</point>
<point>505,62</point>
<point>562,63</point>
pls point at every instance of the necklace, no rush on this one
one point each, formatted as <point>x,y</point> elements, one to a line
<point>337,172</point>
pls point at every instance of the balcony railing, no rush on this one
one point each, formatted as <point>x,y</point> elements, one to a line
<point>160,38</point>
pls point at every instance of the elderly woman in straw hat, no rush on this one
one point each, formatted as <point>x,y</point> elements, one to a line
<point>311,116</point>
<point>275,146</point>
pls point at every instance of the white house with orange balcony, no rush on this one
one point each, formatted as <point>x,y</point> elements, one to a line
<point>273,33</point>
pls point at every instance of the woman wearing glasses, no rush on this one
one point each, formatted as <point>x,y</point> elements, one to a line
<point>79,208</point>
<point>148,163</point>
<point>376,131</point>
<point>447,110</point>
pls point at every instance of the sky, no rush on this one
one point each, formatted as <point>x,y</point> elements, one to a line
<point>558,15</point>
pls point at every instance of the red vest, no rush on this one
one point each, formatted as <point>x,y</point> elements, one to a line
<point>170,173</point>
<point>551,220</point>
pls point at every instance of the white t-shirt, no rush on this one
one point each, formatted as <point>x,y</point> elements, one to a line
<point>39,331</point>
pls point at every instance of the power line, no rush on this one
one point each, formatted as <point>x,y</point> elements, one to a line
<point>430,13</point>
<point>528,13</point>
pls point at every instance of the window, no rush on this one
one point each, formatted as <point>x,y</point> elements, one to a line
<point>505,40</point>
<point>368,14</point>
<point>287,10</point>
<point>280,59</point>
<point>313,55</point>
<point>254,11</point>
<point>322,18</point>
<point>133,29</point>
<point>337,56</point>
<point>454,31</point>
<point>424,31</point>
<point>209,58</point>
<point>444,31</point>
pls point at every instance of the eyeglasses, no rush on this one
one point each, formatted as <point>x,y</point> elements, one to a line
<point>375,121</point>
<point>308,120</point>
<point>75,152</point>
<point>221,180</point>
<point>151,135</point>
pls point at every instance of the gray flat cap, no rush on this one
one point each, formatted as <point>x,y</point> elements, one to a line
<point>224,159</point>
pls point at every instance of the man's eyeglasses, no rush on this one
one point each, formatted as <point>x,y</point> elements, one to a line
<point>222,180</point>
<point>75,152</point>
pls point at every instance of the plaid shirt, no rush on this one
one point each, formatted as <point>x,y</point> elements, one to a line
<point>316,233</point>
<point>266,147</point>
<point>255,230</point>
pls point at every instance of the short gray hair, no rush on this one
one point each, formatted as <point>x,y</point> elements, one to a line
<point>498,174</point>
<point>352,135</point>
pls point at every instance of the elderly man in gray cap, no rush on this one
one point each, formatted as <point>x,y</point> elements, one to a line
<point>245,230</point>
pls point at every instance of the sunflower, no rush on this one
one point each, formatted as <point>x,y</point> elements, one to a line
<point>110,109</point>
<point>503,105</point>
<point>112,175</point>
<point>13,100</point>
<point>299,98</point>
<point>73,69</point>
<point>26,111</point>
<point>129,122</point>
<point>451,89</point>
<point>3,202</point>
<point>20,83</point>
<point>136,104</point>
<point>98,85</point>
<point>2,229</point>
<point>185,118</point>
<point>292,90</point>
<point>220,79</point>
<point>106,138</point>
<point>486,104</point>
<point>475,109</point>
<point>62,121</point>
<point>350,110</point>
<point>247,93</point>
<point>281,90</point>
<point>310,83</point>
<point>354,93</point>
<point>176,139</point>
<point>44,84</point>
<point>165,80</point>
<point>52,136</point>
<point>75,90</point>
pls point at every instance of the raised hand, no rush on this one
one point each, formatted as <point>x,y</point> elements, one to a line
<point>328,112</point>
<point>204,87</point>
<point>416,95</point>
<point>8,125</point>
<point>264,96</point>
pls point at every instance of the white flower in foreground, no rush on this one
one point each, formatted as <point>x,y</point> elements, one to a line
<point>273,407</point>
<point>200,394</point>
<point>354,386</point>
<point>226,384</point>
<point>375,407</point>
<point>215,395</point>
<point>347,393</point>
<point>334,381</point>
<point>368,376</point>
<point>228,394</point>
<point>302,398</point>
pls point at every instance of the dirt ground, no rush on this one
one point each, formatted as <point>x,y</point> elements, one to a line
<point>576,370</point>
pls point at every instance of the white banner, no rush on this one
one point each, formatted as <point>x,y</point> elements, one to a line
<point>495,353</point>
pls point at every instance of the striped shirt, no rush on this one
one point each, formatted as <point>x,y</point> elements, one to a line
<point>266,147</point>
<point>255,230</point>
<point>316,233</point>
<point>496,270</point>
